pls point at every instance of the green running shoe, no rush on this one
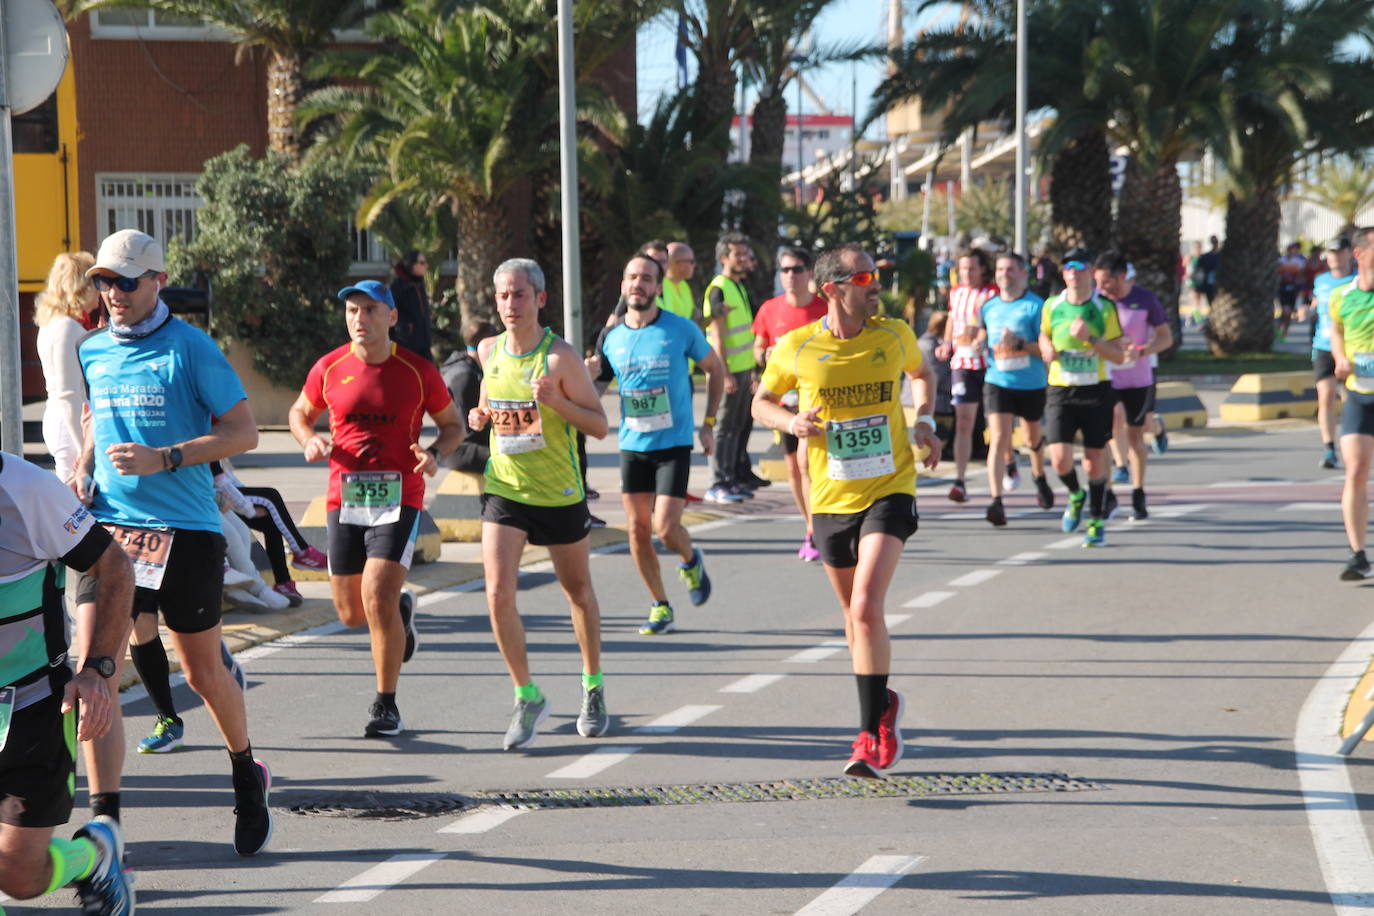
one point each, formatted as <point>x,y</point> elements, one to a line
<point>1073,512</point>
<point>1095,536</point>
<point>166,737</point>
<point>660,621</point>
<point>694,574</point>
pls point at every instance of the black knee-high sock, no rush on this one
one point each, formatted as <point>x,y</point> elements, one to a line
<point>150,660</point>
<point>105,803</point>
<point>872,700</point>
<point>1070,481</point>
<point>1097,497</point>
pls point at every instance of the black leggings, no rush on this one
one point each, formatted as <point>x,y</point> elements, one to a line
<point>276,526</point>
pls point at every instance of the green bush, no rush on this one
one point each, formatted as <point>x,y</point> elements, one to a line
<point>273,237</point>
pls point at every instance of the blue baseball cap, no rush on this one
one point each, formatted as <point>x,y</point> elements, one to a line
<point>373,289</point>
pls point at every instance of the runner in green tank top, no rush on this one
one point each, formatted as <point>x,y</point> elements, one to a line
<point>536,394</point>
<point>1352,348</point>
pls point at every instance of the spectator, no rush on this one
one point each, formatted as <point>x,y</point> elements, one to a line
<point>935,333</point>
<point>413,329</point>
<point>60,311</point>
<point>463,375</point>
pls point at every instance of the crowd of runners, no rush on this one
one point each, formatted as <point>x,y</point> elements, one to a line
<point>137,518</point>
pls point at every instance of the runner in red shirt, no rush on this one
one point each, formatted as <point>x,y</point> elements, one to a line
<point>797,306</point>
<point>965,348</point>
<point>376,394</point>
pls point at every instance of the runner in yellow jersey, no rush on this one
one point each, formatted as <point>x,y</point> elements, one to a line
<point>847,371</point>
<point>1352,347</point>
<point>537,395</point>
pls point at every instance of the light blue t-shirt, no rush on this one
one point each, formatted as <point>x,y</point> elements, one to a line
<point>159,390</point>
<point>655,381</point>
<point>1323,285</point>
<point>1022,370</point>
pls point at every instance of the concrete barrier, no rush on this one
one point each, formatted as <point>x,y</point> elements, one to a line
<point>1271,396</point>
<point>773,464</point>
<point>314,527</point>
<point>457,506</point>
<point>1179,406</point>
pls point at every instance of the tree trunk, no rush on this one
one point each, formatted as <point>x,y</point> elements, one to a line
<point>1242,319</point>
<point>1081,195</point>
<point>1149,219</point>
<point>284,90</point>
<point>762,203</point>
<point>482,240</point>
<point>714,103</point>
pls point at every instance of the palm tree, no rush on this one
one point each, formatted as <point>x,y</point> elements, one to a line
<point>290,31</point>
<point>1344,185</point>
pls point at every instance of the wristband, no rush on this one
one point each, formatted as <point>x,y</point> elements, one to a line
<point>927,419</point>
<point>1092,338</point>
<point>708,421</point>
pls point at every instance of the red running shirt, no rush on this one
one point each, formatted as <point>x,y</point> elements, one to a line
<point>375,413</point>
<point>776,317</point>
<point>966,316</point>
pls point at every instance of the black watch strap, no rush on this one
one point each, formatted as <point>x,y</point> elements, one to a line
<point>103,665</point>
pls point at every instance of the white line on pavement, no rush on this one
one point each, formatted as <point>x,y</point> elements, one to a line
<point>482,820</point>
<point>1021,559</point>
<point>1333,811</point>
<point>928,599</point>
<point>1176,511</point>
<point>862,886</point>
<point>380,877</point>
<point>1329,506</point>
<point>1230,484</point>
<point>594,763</point>
<point>977,577</point>
<point>896,620</point>
<point>1063,544</point>
<point>678,718</point>
<point>823,651</point>
<point>752,683</point>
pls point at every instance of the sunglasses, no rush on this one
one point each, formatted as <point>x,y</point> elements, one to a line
<point>862,278</point>
<point>798,269</point>
<point>125,284</point>
<point>1075,265</point>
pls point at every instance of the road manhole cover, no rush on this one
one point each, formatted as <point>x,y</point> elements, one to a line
<point>921,786</point>
<point>383,806</point>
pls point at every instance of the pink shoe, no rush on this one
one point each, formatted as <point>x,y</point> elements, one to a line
<point>808,552</point>
<point>288,588</point>
<point>310,558</point>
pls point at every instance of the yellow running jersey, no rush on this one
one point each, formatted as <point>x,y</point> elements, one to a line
<point>1352,311</point>
<point>865,453</point>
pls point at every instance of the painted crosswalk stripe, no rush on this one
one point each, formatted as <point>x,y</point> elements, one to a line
<point>928,599</point>
<point>678,718</point>
<point>752,683</point>
<point>482,820</point>
<point>1063,544</point>
<point>1021,559</point>
<point>895,620</point>
<point>1329,506</point>
<point>595,762</point>
<point>861,887</point>
<point>379,878</point>
<point>819,653</point>
<point>977,577</point>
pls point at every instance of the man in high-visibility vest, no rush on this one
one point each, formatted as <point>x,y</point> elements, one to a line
<point>677,293</point>
<point>730,330</point>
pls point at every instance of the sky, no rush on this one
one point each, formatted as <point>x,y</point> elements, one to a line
<point>843,22</point>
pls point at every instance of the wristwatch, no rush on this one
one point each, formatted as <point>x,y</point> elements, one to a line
<point>103,665</point>
<point>173,458</point>
<point>708,421</point>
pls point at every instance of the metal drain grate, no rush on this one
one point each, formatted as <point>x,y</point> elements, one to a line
<point>382,806</point>
<point>929,784</point>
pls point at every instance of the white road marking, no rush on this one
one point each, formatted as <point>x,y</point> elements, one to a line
<point>752,683</point>
<point>896,620</point>
<point>381,877</point>
<point>1021,559</point>
<point>1231,484</point>
<point>1176,511</point>
<point>823,651</point>
<point>678,718</point>
<point>1065,543</point>
<point>482,820</point>
<point>928,599</point>
<point>1329,506</point>
<point>977,577</point>
<point>1333,811</point>
<point>862,886</point>
<point>594,763</point>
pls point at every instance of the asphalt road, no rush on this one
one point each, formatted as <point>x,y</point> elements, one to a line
<point>1162,676</point>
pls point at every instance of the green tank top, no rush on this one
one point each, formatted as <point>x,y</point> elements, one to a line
<point>533,449</point>
<point>738,342</point>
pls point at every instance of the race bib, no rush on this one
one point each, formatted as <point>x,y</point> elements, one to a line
<point>645,410</point>
<point>370,498</point>
<point>1364,371</point>
<point>1079,367</point>
<point>859,448</point>
<point>1009,359</point>
<point>147,549</point>
<point>965,352</point>
<point>516,426</point>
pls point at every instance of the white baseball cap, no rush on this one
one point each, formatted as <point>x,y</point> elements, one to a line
<point>129,253</point>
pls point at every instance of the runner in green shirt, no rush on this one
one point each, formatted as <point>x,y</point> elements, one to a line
<point>1352,347</point>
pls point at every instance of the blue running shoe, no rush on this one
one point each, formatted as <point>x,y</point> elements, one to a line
<point>1073,512</point>
<point>106,890</point>
<point>722,495</point>
<point>166,737</point>
<point>1095,536</point>
<point>694,574</point>
<point>1121,474</point>
<point>1160,445</point>
<point>660,621</point>
<point>231,663</point>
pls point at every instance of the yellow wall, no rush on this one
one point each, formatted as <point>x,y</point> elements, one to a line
<point>45,216</point>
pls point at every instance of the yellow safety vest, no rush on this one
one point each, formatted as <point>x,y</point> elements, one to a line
<point>738,342</point>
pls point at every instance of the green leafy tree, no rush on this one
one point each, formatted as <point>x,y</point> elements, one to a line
<point>274,239</point>
<point>986,208</point>
<point>1344,185</point>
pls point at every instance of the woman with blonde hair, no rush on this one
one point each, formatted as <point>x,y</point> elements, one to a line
<point>59,311</point>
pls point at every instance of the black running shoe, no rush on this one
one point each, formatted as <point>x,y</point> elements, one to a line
<point>1109,506</point>
<point>383,721</point>
<point>408,624</point>
<point>253,824</point>
<point>1357,569</point>
<point>1138,505</point>
<point>997,515</point>
<point>1044,496</point>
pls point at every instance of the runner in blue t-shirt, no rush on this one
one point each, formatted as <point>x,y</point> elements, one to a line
<point>164,404</point>
<point>650,353</point>
<point>1015,382</point>
<point>1341,270</point>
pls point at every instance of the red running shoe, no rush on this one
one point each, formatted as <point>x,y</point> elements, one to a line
<point>863,762</point>
<point>890,731</point>
<point>957,493</point>
<point>310,558</point>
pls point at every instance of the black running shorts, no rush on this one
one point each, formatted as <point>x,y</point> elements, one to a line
<point>192,589</point>
<point>1080,408</point>
<point>1028,404</point>
<point>662,471</point>
<point>1323,365</point>
<point>350,546</point>
<point>837,535</point>
<point>38,764</point>
<point>966,385</point>
<point>1357,416</point>
<point>1136,402</point>
<point>546,526</point>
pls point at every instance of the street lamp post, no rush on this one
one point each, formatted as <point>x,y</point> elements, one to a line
<point>1020,206</point>
<point>567,138</point>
